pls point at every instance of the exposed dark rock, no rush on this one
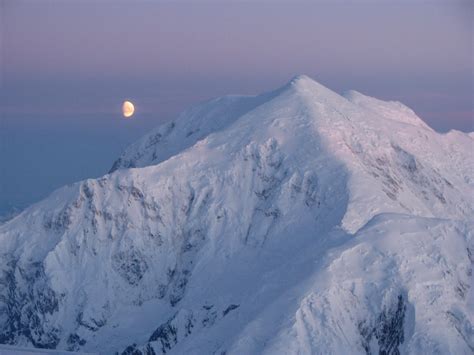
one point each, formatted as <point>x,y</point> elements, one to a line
<point>179,287</point>
<point>366,331</point>
<point>463,327</point>
<point>462,289</point>
<point>388,329</point>
<point>406,160</point>
<point>310,186</point>
<point>230,308</point>
<point>136,193</point>
<point>155,139</point>
<point>166,334</point>
<point>26,302</point>
<point>131,265</point>
<point>74,342</point>
<point>91,324</point>
<point>132,350</point>
<point>60,222</point>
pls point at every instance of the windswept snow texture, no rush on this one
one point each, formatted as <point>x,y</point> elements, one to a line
<point>298,221</point>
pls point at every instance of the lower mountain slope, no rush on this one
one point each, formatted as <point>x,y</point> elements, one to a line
<point>304,221</point>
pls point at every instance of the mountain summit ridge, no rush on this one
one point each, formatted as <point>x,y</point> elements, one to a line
<point>292,221</point>
<point>220,113</point>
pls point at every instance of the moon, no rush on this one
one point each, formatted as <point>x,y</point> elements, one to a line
<point>128,109</point>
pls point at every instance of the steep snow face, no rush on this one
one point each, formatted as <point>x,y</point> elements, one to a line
<point>137,235</point>
<point>234,218</point>
<point>392,110</point>
<point>402,284</point>
<point>383,143</point>
<point>188,128</point>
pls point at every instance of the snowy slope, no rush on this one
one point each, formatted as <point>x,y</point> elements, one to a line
<point>188,128</point>
<point>295,221</point>
<point>392,110</point>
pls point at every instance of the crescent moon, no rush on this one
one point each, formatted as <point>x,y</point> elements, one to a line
<point>128,109</point>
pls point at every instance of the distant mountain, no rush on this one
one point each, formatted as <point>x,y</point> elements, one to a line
<point>297,221</point>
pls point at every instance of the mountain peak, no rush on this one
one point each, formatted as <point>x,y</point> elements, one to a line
<point>301,78</point>
<point>235,205</point>
<point>304,82</point>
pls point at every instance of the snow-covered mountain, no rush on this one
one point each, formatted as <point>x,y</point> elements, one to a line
<point>297,221</point>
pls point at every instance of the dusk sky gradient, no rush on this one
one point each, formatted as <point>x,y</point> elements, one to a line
<point>67,66</point>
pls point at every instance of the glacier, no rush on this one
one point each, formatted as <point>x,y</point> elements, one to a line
<point>296,221</point>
